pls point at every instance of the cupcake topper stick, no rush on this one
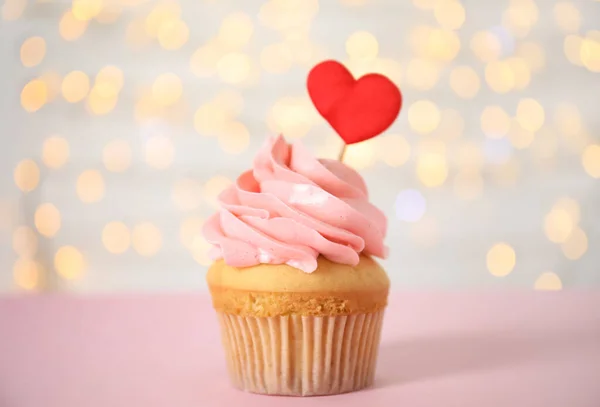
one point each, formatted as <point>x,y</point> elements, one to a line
<point>357,109</point>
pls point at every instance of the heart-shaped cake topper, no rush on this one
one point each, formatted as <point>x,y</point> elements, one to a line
<point>356,109</point>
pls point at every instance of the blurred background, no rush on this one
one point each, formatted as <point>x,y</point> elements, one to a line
<point>123,119</point>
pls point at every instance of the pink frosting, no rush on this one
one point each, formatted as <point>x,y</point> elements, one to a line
<point>291,208</point>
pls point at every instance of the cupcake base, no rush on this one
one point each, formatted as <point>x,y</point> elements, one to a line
<point>301,355</point>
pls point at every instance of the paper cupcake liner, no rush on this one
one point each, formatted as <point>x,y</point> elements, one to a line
<point>301,355</point>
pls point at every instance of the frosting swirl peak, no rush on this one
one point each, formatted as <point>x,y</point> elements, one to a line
<point>291,208</point>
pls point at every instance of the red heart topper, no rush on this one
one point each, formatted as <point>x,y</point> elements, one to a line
<point>357,109</point>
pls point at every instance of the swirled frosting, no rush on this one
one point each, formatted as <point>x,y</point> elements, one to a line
<point>291,208</point>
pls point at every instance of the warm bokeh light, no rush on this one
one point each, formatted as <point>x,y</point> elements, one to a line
<point>519,137</point>
<point>116,237</point>
<point>590,53</point>
<point>199,249</point>
<point>70,28</point>
<point>69,263</point>
<point>423,116</point>
<point>452,125</point>
<point>109,14</point>
<point>290,116</point>
<point>500,76</point>
<point>203,62</point>
<point>533,54</point>
<point>432,169</point>
<point>75,86</point>
<point>495,122</point>
<point>159,152</point>
<point>34,95</point>
<point>161,14</point>
<point>506,172</point>
<point>187,194</point>
<point>234,68</point>
<point>229,101</point>
<point>464,81</point>
<point>360,155</point>
<point>567,17</point>
<point>576,245</point>
<point>234,138</point>
<point>422,74</point>
<point>136,35</point>
<point>167,89</point>
<point>27,274</point>
<point>450,14</point>
<point>90,186</point>
<point>468,184</point>
<point>12,9</point>
<point>530,114</point>
<point>99,104</point>
<point>520,16</point>
<point>442,45</point>
<point>53,82</point>
<point>191,228</point>
<point>276,58</point>
<point>394,150</point>
<point>470,156</point>
<point>486,46</point>
<point>85,10</point>
<point>501,259</point>
<point>26,175</point>
<point>548,281</point>
<point>362,46</point>
<point>173,34</point>
<point>572,49</point>
<point>33,51</point>
<point>236,30</point>
<point>25,242</point>
<point>55,152</point>
<point>558,225</point>
<point>109,81</point>
<point>47,219</point>
<point>591,160</point>
<point>211,119</point>
<point>116,155</point>
<point>214,187</point>
<point>425,232</point>
<point>146,239</point>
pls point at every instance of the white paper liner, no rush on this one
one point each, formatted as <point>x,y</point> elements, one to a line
<point>301,356</point>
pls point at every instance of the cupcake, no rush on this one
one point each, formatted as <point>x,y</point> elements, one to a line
<point>299,298</point>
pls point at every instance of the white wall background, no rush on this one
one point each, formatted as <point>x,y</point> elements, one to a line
<point>497,143</point>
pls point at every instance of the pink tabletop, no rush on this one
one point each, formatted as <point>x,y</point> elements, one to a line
<point>438,349</point>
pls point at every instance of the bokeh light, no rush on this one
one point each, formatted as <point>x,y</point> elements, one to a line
<point>161,14</point>
<point>146,239</point>
<point>116,155</point>
<point>234,68</point>
<point>290,116</point>
<point>567,17</point>
<point>422,74</point>
<point>591,160</point>
<point>214,187</point>
<point>449,14</point>
<point>69,263</point>
<point>109,14</point>
<point>98,103</point>
<point>234,138</point>
<point>167,89</point>
<point>199,250</point>
<point>12,9</point>
<point>85,10</point>
<point>276,58</point>
<point>75,86</point>
<point>521,72</point>
<point>423,116</point>
<point>211,119</point>
<point>27,274</point>
<point>53,83</point>
<point>500,76</point>
<point>109,81</point>
<point>576,245</point>
<point>520,16</point>
<point>159,152</point>
<point>362,46</point>
<point>360,155</point>
<point>204,61</point>
<point>236,30</point>
<point>55,152</point>
<point>173,34</point>
<point>590,53</point>
<point>501,259</point>
<point>26,175</point>
<point>530,114</point>
<point>33,51</point>
<point>468,184</point>
<point>190,229</point>
<point>25,242</point>
<point>47,219</point>
<point>486,46</point>
<point>533,55</point>
<point>187,194</point>
<point>71,28</point>
<point>495,122</point>
<point>548,281</point>
<point>116,237</point>
<point>410,205</point>
<point>464,81</point>
<point>425,232</point>
<point>558,225</point>
<point>432,169</point>
<point>394,150</point>
<point>34,95</point>
<point>90,186</point>
<point>136,36</point>
<point>452,125</point>
<point>519,137</point>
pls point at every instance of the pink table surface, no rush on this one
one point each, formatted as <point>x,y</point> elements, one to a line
<point>438,349</point>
